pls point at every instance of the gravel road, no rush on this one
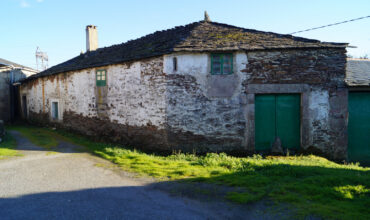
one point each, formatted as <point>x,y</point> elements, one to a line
<point>68,184</point>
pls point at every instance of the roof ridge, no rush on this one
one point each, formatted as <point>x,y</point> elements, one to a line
<point>274,33</point>
<point>195,37</point>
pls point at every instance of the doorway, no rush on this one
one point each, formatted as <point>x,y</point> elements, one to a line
<point>24,106</point>
<point>277,115</point>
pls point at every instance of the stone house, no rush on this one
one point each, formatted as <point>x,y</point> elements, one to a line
<point>9,73</point>
<point>202,87</point>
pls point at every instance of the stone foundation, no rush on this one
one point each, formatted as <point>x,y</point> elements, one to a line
<point>140,137</point>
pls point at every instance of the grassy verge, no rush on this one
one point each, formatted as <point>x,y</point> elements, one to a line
<point>39,136</point>
<point>7,147</point>
<point>311,185</point>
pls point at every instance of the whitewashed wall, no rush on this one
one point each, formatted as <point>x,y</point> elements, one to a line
<point>135,97</point>
<point>319,117</point>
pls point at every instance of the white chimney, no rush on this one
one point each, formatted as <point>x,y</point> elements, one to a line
<point>91,38</point>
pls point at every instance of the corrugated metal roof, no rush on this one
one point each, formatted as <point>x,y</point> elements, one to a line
<point>9,63</point>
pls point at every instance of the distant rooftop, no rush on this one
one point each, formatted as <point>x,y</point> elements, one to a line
<point>358,72</point>
<point>4,62</point>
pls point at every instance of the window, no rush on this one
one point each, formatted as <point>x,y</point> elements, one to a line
<point>174,60</point>
<point>101,78</point>
<point>54,111</point>
<point>221,64</point>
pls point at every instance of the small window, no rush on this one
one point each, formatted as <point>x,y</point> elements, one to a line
<point>54,111</point>
<point>221,64</point>
<point>174,63</point>
<point>101,78</point>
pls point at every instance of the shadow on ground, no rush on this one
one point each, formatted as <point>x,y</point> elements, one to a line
<point>314,189</point>
<point>138,202</point>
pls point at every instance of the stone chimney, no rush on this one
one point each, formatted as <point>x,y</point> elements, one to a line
<point>206,17</point>
<point>91,38</point>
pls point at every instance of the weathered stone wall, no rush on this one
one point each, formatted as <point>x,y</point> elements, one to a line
<point>205,112</point>
<point>318,75</point>
<point>151,105</point>
<point>323,67</point>
<point>216,113</point>
<point>134,110</point>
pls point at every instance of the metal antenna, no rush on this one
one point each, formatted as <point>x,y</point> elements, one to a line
<point>43,57</point>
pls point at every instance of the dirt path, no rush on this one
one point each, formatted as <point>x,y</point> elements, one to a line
<point>69,185</point>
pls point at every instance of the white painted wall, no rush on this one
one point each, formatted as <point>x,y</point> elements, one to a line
<point>198,65</point>
<point>318,110</point>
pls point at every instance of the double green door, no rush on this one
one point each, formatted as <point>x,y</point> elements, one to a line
<point>359,127</point>
<point>277,115</point>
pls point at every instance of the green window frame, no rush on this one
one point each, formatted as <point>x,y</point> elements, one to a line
<point>222,63</point>
<point>101,77</point>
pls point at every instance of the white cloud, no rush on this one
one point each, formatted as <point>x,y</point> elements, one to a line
<point>24,4</point>
<point>39,1</point>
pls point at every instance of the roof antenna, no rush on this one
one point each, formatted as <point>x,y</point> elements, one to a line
<point>206,17</point>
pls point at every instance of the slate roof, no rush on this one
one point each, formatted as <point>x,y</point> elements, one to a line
<point>195,37</point>
<point>358,72</point>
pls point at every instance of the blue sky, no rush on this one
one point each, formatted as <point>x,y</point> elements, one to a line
<point>58,26</point>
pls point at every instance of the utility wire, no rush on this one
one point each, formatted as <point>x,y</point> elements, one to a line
<point>355,19</point>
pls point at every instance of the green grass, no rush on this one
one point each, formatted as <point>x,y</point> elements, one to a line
<point>310,185</point>
<point>7,147</point>
<point>39,136</point>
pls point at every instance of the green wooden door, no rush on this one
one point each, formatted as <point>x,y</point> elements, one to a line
<point>265,118</point>
<point>359,127</point>
<point>277,115</point>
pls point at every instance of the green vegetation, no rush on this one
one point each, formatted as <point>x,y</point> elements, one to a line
<point>39,136</point>
<point>310,185</point>
<point>7,147</point>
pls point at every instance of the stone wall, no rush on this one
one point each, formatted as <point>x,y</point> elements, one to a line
<point>134,103</point>
<point>216,113</point>
<point>151,105</point>
<point>323,67</point>
<point>205,112</point>
<point>318,75</point>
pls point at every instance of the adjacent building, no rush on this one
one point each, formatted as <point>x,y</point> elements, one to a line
<point>358,81</point>
<point>9,73</point>
<point>204,87</point>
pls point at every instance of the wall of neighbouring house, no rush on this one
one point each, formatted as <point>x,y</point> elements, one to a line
<point>129,110</point>
<point>4,96</point>
<point>5,92</point>
<point>216,113</point>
